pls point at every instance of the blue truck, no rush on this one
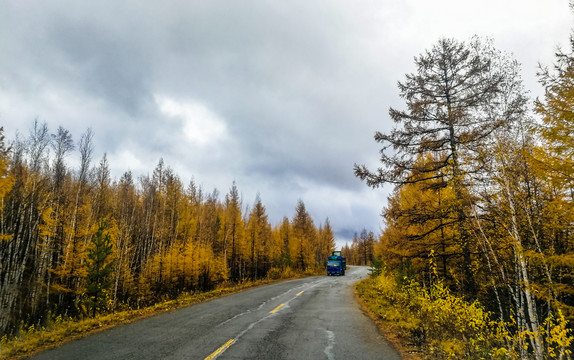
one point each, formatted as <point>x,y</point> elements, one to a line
<point>336,264</point>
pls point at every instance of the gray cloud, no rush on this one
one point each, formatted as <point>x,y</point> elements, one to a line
<point>281,97</point>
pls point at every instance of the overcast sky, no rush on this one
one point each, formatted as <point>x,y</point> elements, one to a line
<point>282,97</point>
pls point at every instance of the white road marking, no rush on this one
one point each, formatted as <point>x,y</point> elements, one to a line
<point>330,344</point>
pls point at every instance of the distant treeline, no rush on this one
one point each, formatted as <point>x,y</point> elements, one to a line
<point>361,251</point>
<point>74,242</point>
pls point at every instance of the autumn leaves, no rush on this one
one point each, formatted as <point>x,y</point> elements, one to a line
<point>482,185</point>
<point>77,242</point>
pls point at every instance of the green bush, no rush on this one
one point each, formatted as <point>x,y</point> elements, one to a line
<point>377,266</point>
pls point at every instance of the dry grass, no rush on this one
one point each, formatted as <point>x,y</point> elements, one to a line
<point>396,336</point>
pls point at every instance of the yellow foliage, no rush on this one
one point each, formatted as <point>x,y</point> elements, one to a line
<point>420,218</point>
<point>6,180</point>
<point>558,336</point>
<point>558,126</point>
<point>274,273</point>
<point>48,222</point>
<point>6,237</point>
<point>452,328</point>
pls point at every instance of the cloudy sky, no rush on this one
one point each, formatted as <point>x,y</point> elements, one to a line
<point>282,97</point>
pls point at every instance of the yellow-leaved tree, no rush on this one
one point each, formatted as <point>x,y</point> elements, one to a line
<point>553,161</point>
<point>6,181</point>
<point>557,111</point>
<point>420,218</point>
<point>304,238</point>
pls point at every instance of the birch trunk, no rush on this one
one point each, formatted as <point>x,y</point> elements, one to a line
<point>522,275</point>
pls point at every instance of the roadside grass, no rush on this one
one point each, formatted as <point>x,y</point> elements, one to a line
<point>384,312</point>
<point>32,339</point>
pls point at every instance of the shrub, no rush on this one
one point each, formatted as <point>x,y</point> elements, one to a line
<point>287,273</point>
<point>274,273</point>
<point>445,326</point>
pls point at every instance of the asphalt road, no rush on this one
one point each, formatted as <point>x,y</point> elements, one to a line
<point>311,318</point>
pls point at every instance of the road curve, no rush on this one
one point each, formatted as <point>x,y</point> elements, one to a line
<point>312,318</point>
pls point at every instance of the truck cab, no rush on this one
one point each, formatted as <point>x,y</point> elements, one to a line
<point>336,264</point>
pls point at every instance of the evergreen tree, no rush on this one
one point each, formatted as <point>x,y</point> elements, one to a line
<point>100,266</point>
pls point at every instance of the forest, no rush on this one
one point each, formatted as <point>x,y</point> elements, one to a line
<point>75,243</point>
<point>482,208</point>
<point>478,231</point>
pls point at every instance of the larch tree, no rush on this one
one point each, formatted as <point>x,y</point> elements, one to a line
<point>102,201</point>
<point>74,240</point>
<point>209,234</point>
<point>420,217</point>
<point>6,183</point>
<point>326,242</point>
<point>127,210</point>
<point>260,240</point>
<point>557,111</point>
<point>233,241</point>
<point>188,224</point>
<point>453,105</point>
<point>304,235</point>
<point>284,232</point>
<point>551,211</point>
<point>59,276</point>
<point>81,221</point>
<point>366,247</point>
